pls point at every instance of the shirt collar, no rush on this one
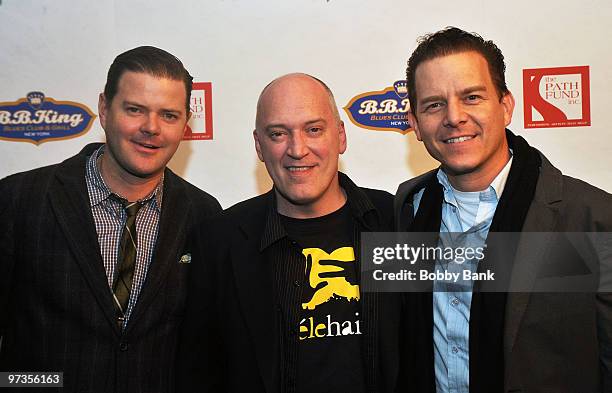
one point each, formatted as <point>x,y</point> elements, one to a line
<point>494,190</point>
<point>360,206</point>
<point>100,190</point>
<point>499,183</point>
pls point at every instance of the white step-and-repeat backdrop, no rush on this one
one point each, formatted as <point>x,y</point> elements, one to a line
<point>54,55</point>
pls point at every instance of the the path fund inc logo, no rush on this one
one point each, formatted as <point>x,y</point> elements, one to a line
<point>385,110</point>
<point>200,126</point>
<point>557,97</point>
<point>37,119</point>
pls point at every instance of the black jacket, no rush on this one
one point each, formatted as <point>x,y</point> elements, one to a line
<point>230,340</point>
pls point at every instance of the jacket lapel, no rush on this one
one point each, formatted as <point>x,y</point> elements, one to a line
<point>173,227</point>
<point>254,285</point>
<point>70,203</point>
<point>542,217</point>
<point>402,203</point>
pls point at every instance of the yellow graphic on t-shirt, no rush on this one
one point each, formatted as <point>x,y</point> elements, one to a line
<point>333,286</point>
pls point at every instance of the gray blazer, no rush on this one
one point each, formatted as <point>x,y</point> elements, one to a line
<point>553,342</point>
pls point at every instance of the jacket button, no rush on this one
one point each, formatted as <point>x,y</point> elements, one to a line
<point>296,283</point>
<point>123,346</point>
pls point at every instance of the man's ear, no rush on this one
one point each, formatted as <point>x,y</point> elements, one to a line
<point>341,137</point>
<point>507,101</point>
<point>187,122</point>
<point>414,124</point>
<point>257,145</point>
<point>102,110</point>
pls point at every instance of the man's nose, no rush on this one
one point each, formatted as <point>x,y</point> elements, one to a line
<point>298,146</point>
<point>455,114</point>
<point>151,124</point>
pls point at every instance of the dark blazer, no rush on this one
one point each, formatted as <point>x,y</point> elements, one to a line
<point>230,341</point>
<point>553,342</point>
<point>56,307</point>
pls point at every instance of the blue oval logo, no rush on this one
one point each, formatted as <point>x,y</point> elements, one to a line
<point>37,119</point>
<point>384,110</point>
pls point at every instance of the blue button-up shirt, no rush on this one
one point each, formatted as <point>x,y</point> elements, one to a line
<point>468,216</point>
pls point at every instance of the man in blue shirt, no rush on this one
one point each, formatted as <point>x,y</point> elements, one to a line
<point>491,180</point>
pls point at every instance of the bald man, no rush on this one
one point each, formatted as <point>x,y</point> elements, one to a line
<point>275,303</point>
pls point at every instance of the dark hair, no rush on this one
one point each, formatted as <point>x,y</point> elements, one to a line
<point>150,60</point>
<point>452,40</point>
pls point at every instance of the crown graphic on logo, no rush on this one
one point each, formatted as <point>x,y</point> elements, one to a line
<point>35,99</point>
<point>401,88</point>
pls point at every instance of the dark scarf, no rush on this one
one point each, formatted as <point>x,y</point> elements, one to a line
<point>488,308</point>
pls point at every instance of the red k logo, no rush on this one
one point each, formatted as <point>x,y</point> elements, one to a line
<point>556,97</point>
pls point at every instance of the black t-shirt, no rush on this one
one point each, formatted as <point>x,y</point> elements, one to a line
<point>330,328</point>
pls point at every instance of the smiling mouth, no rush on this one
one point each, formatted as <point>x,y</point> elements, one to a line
<point>147,145</point>
<point>297,169</point>
<point>459,139</point>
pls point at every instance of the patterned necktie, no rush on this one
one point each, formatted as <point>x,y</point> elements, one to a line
<point>122,285</point>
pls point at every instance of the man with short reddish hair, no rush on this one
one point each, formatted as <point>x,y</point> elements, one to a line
<point>95,250</point>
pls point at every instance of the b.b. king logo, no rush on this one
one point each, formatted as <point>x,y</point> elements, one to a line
<point>556,97</point>
<point>200,126</point>
<point>37,119</point>
<point>384,110</point>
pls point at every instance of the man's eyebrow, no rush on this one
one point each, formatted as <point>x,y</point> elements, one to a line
<point>167,110</point>
<point>427,100</point>
<point>467,90</point>
<point>275,126</point>
<point>320,120</point>
<point>131,103</point>
<point>179,111</point>
<point>473,89</point>
<point>285,127</point>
